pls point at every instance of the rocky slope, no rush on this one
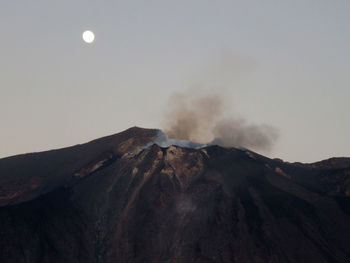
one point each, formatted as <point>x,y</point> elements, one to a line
<point>123,198</point>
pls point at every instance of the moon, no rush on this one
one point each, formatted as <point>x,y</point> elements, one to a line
<point>88,36</point>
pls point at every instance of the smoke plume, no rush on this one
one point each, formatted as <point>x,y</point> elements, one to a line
<point>202,118</point>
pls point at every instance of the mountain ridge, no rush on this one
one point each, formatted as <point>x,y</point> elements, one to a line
<point>123,198</point>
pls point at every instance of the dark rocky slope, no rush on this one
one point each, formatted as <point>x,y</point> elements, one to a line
<point>124,199</point>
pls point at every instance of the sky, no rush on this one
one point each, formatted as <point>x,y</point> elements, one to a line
<point>280,63</point>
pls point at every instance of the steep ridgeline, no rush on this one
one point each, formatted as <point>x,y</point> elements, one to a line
<point>123,198</point>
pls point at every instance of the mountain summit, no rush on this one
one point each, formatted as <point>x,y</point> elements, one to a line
<point>139,197</point>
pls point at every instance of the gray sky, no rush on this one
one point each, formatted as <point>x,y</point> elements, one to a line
<point>283,63</point>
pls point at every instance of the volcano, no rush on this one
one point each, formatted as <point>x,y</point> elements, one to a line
<point>137,197</point>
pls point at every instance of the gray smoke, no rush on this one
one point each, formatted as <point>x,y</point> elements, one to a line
<point>201,118</point>
<point>237,132</point>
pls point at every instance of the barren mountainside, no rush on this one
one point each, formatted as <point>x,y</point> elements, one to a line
<point>130,198</point>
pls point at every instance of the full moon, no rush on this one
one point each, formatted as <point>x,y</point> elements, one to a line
<point>88,36</point>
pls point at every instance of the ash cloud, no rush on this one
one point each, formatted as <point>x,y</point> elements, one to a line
<point>202,118</point>
<point>200,115</point>
<point>237,132</point>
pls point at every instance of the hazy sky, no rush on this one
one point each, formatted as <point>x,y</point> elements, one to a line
<point>282,63</point>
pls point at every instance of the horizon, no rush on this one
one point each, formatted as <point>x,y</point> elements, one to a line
<point>167,142</point>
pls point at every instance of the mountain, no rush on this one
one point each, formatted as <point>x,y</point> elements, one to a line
<point>133,197</point>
